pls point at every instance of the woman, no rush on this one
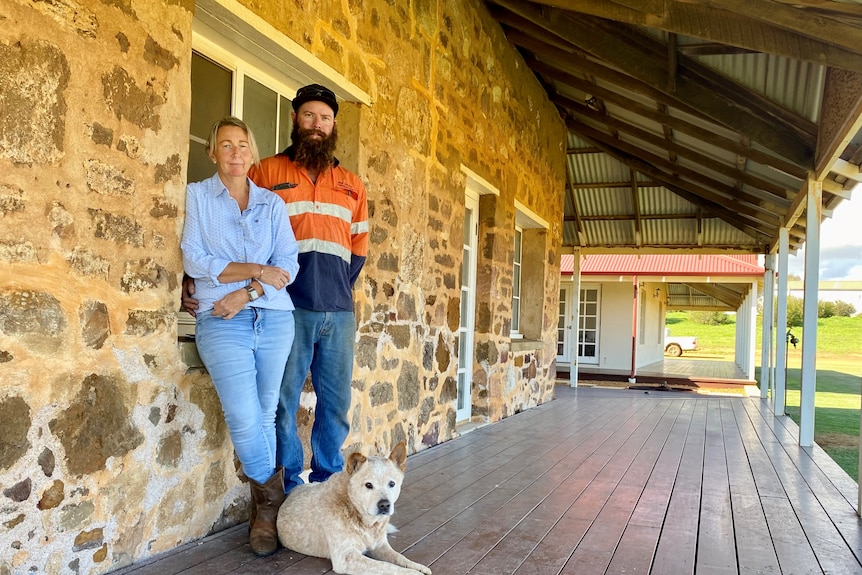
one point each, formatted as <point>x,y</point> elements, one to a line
<point>240,250</point>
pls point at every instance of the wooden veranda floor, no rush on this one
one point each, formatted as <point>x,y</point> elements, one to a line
<point>673,369</point>
<point>604,481</point>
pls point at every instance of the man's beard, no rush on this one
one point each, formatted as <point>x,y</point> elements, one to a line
<point>312,154</point>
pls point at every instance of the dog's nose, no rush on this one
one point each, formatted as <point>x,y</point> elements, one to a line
<point>383,507</point>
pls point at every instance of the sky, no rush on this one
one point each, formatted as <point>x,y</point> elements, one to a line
<point>840,244</point>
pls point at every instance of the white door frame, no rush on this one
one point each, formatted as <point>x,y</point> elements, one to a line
<point>466,328</point>
<point>584,318</point>
<point>564,323</point>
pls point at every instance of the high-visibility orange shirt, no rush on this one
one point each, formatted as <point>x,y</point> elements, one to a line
<point>330,221</point>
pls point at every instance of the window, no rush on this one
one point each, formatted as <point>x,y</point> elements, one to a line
<point>243,66</point>
<point>528,274</point>
<point>516,285</point>
<point>222,89</point>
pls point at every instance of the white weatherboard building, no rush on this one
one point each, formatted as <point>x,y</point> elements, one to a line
<point>846,291</point>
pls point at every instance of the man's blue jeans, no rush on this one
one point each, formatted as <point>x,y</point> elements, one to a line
<point>245,357</point>
<point>324,345</point>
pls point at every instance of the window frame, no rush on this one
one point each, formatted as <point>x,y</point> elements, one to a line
<point>525,221</point>
<point>517,268</point>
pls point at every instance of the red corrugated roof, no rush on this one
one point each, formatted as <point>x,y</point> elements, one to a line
<point>664,264</point>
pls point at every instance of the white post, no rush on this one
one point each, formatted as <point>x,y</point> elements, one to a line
<point>766,332</point>
<point>809,314</point>
<point>575,321</point>
<point>751,334</point>
<point>781,327</point>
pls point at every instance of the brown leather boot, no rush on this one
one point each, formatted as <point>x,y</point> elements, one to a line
<point>266,498</point>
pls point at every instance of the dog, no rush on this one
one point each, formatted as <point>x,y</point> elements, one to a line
<point>346,518</point>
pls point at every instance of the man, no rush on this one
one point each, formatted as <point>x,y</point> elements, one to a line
<point>329,214</point>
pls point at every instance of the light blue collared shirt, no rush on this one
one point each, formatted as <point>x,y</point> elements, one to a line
<point>216,233</point>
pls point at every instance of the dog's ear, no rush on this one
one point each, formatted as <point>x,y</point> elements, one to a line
<point>353,462</point>
<point>399,455</point>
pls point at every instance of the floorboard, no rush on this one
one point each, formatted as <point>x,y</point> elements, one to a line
<point>603,481</point>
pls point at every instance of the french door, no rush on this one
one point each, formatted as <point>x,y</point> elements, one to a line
<point>466,326</point>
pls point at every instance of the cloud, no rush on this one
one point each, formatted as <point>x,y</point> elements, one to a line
<point>839,260</point>
<point>836,263</point>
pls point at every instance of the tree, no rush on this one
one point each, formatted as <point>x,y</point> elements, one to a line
<point>825,309</point>
<point>844,309</point>
<point>794,311</point>
<point>710,317</point>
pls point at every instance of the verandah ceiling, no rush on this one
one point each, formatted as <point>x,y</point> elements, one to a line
<point>693,125</point>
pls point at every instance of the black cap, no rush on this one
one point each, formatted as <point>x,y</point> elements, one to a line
<point>316,93</point>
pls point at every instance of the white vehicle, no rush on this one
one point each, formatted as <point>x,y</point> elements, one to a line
<point>674,345</point>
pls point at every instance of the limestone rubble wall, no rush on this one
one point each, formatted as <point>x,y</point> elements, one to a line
<point>111,448</point>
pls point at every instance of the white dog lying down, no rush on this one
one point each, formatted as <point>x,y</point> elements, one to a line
<point>345,518</point>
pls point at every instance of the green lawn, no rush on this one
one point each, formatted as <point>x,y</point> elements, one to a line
<point>838,397</point>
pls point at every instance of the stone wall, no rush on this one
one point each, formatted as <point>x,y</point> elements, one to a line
<point>111,449</point>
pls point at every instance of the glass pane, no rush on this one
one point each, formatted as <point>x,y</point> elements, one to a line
<point>211,93</point>
<point>461,389</point>
<point>211,97</point>
<point>516,313</point>
<point>200,166</point>
<point>562,308</point>
<point>591,309</point>
<point>259,110</point>
<point>468,226</point>
<point>462,352</point>
<point>589,351</point>
<point>284,125</point>
<point>464,318</point>
<point>517,246</point>
<point>562,296</point>
<point>590,322</point>
<point>465,268</point>
<point>516,282</point>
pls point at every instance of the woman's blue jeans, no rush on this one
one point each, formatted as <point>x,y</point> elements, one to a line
<point>324,345</point>
<point>245,357</point>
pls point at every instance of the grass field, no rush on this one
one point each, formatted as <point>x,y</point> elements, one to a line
<point>838,397</point>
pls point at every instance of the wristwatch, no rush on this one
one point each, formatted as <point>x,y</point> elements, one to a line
<point>252,293</point>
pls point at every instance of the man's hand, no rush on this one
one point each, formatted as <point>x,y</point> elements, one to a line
<point>189,303</point>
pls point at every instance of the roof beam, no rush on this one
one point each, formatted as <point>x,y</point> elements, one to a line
<point>716,291</point>
<point>773,194</point>
<point>732,27</point>
<point>731,108</point>
<point>737,215</point>
<point>636,205</point>
<point>728,195</point>
<point>840,119</point>
<point>677,124</point>
<point>831,31</point>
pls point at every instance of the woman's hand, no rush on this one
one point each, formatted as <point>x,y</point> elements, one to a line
<point>231,304</point>
<point>274,276</point>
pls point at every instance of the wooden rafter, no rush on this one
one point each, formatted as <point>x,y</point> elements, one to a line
<point>729,106</point>
<point>782,30</point>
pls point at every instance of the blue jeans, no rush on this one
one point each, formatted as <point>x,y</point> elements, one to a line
<point>324,345</point>
<point>245,357</point>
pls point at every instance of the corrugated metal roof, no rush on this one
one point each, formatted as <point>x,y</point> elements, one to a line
<point>721,147</point>
<point>665,264</point>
